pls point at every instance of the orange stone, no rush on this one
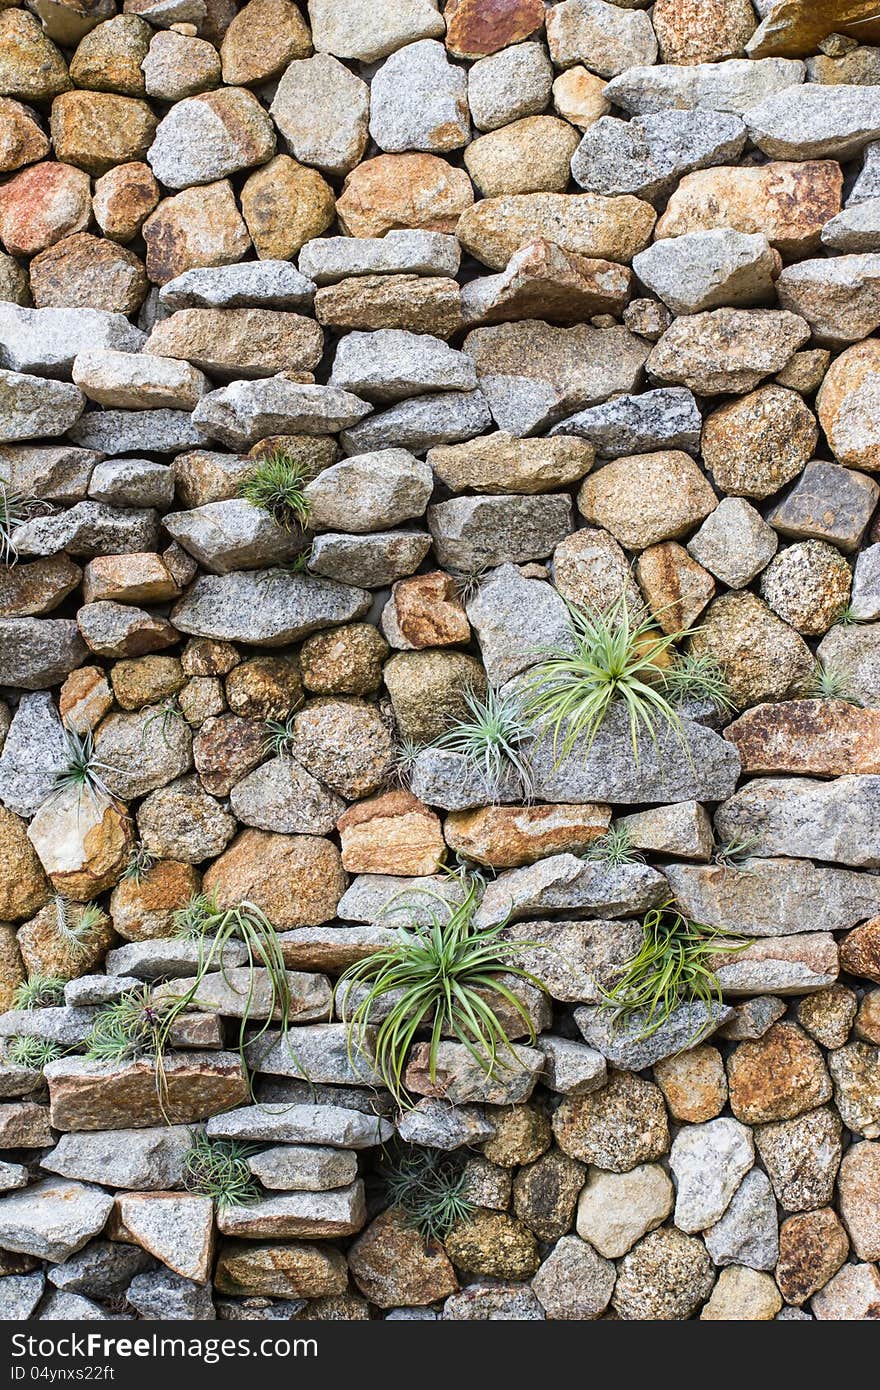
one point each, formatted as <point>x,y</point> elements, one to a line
<point>477,27</point>
<point>85,698</point>
<point>505,837</point>
<point>860,951</point>
<point>394,833</point>
<point>829,738</point>
<point>427,612</point>
<point>403,190</point>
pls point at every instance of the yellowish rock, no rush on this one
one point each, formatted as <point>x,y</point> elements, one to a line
<point>83,841</point>
<point>285,205</point>
<point>742,1295</point>
<point>391,834</point>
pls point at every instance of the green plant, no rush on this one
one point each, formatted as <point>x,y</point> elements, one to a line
<point>435,978</point>
<point>827,683</point>
<point>698,676</point>
<point>276,483</point>
<point>614,848</point>
<point>428,1187</point>
<point>83,770</point>
<point>672,967</point>
<point>847,617</point>
<point>32,1053</point>
<point>129,1028</point>
<point>218,1168</point>
<point>140,862</point>
<point>493,741</point>
<point>167,712</point>
<point>607,657</point>
<point>403,761</point>
<point>732,853</point>
<point>74,923</point>
<point>279,737</point>
<point>39,992</point>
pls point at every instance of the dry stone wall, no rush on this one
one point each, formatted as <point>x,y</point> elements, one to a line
<point>540,305</point>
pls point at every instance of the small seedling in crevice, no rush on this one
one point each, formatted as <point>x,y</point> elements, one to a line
<point>827,683</point>
<point>32,1053</point>
<point>428,1187</point>
<point>614,848</point>
<point>218,1168</point>
<point>494,742</point>
<point>140,862</point>
<point>277,483</point>
<point>279,736</point>
<point>39,992</point>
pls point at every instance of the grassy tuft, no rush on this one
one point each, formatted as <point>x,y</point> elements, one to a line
<point>83,769</point>
<point>129,1028</point>
<point>32,1053</point>
<point>217,1168</point>
<point>140,862</point>
<point>403,761</point>
<point>467,582</point>
<point>278,737</point>
<point>614,848</point>
<point>493,740</point>
<point>827,683</point>
<point>39,992</point>
<point>276,483</point>
<point>15,509</point>
<point>427,1186</point>
<point>699,677</point>
<point>74,923</point>
<point>732,853</point>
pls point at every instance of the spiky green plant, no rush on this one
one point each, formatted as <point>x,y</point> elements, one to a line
<point>32,1053</point>
<point>606,658</point>
<point>672,967</point>
<point>467,582</point>
<point>140,862</point>
<point>614,848</point>
<point>828,683</point>
<point>83,770</point>
<point>698,676</point>
<point>279,736</point>
<point>39,992</point>
<point>428,1187</point>
<point>847,617</point>
<point>218,1168</point>
<point>167,713</point>
<point>403,761</point>
<point>129,1028</point>
<point>74,923</point>
<point>276,483</point>
<point>434,978</point>
<point>493,740</point>
<point>733,852</point>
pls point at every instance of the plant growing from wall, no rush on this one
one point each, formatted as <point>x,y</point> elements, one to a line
<point>434,979</point>
<point>276,483</point>
<point>493,740</point>
<point>428,1187</point>
<point>75,923</point>
<point>33,1054</point>
<point>614,848</point>
<point>140,862</point>
<point>218,1168</point>
<point>698,676</point>
<point>83,771</point>
<point>130,1028</point>
<point>828,683</point>
<point>403,761</point>
<point>39,992</point>
<point>15,509</point>
<point>278,737</point>
<point>168,712</point>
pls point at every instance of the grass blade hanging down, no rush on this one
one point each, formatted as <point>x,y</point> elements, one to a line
<point>493,740</point>
<point>430,978</point>
<point>672,967</point>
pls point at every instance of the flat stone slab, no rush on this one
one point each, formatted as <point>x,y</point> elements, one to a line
<point>341,1212</point>
<point>774,897</point>
<point>563,882</point>
<point>87,1095</point>
<point>140,1160</point>
<point>302,1124</point>
<point>622,1047</point>
<point>266,608</point>
<point>53,1219</point>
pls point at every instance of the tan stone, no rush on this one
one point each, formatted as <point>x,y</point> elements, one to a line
<point>143,908</point>
<point>108,59</point>
<point>426,611</point>
<point>501,462</point>
<point>146,680</point>
<point>21,139</point>
<point>805,371</point>
<point>867,1024</point>
<point>89,1096</point>
<point>428,690</point>
<point>42,204</point>
<point>543,281</point>
<point>726,350</point>
<point>646,498</point>
<point>262,39</point>
<point>591,569</point>
<point>504,837</point>
<point>207,656</point>
<point>95,130</point>
<point>846,405</point>
<point>55,943</point>
<point>85,698</point>
<point>702,31</point>
<point>290,1270</point>
<point>494,1244</point>
<point>179,66</point>
<point>12,971</point>
<point>417,303</point>
<point>239,342</point>
<point>676,588</point>
<point>613,229</point>
<point>853,1295</point>
<point>828,738</point>
<point>475,28</point>
<point>395,1267</point>
<point>198,227</point>
<point>394,833</point>
<point>860,951</point>
<point>755,445</point>
<point>578,96</point>
<point>24,1125</point>
<point>761,656</point>
<point>346,661</point>
<point>297,880</point>
<point>266,687</point>
<point>532,155</point>
<point>285,205</point>
<point>789,202</point>
<point>29,590</point>
<point>123,198</point>
<point>83,841</point>
<point>403,190</point>
<point>693,1083</point>
<point>134,578</point>
<point>742,1295</point>
<point>31,67</point>
<point>777,1077</point>
<point>792,28</point>
<point>88,272</point>
<point>812,1247</point>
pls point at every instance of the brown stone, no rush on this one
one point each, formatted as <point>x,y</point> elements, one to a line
<point>21,139</point>
<point>285,205</point>
<point>85,698</point>
<point>615,1128</point>
<point>226,749</point>
<point>31,67</point>
<point>693,1083</point>
<point>860,951</point>
<point>645,498</point>
<point>29,590</point>
<point>53,943</point>
<point>83,842</point>
<point>200,226</point>
<point>493,1244</point>
<point>777,1077</point>
<point>828,738</point>
<point>846,405</point>
<point>828,1015</point>
<point>88,272</point>
<point>41,205</point>
<point>394,1266</point>
<point>858,1184</point>
<point>532,155</point>
<point>346,661</point>
<point>543,281</point>
<point>290,1270</point>
<point>675,586</point>
<point>24,1125</point>
<point>501,462</point>
<point>428,690</point>
<point>812,1247</point>
<point>12,971</point>
<point>702,31</point>
<point>761,656</point>
<point>95,130</point>
<point>297,880</point>
<point>394,833</point>
<point>426,611</point>
<point>789,202</point>
<point>135,578</point>
<point>867,1025</point>
<point>109,57</point>
<point>262,39</point>
<point>403,190</point>
<point>88,1095</point>
<point>146,680</point>
<point>755,445</point>
<point>792,28</point>
<point>613,229</point>
<point>475,28</point>
<point>123,198</point>
<point>504,837</point>
<point>239,342</point>
<point>143,908</point>
<point>266,687</point>
<point>420,304</point>
<point>207,656</point>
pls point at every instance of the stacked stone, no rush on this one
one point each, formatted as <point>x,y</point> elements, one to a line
<point>552,304</point>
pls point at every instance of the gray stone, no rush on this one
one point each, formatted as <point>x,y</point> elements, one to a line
<point>337,1213</point>
<point>839,296</point>
<point>245,412</point>
<point>493,1302</point>
<point>734,542</point>
<point>155,959</point>
<point>668,418</point>
<point>806,818</point>
<point>320,1053</point>
<point>474,532</point>
<point>855,1070</point>
<point>400,252</point>
<point>575,961</point>
<point>321,109</point>
<point>510,84</point>
<point>798,964</point>
<point>138,431</point>
<point>802,1157</point>
<point>443,417</point>
<point>436,1124</point>
<point>708,269</point>
<point>867,185</point>
<point>97,989</point>
<point>418,101</point>
<point>233,535</point>
<point>56,472</point>
<point>709,1161</point>
<point>39,652</point>
<point>815,122</point>
<point>856,229</point>
<point>52,1219</point>
<point>332,1125</point>
<point>391,365</point>
<point>138,1160</point>
<point>282,797</point>
<point>266,608</point>
<point>71,1307</point>
<point>513,618</point>
<point>375,897</point>
<point>752,1019</point>
<point>735,85</point>
<point>250,991</point>
<point>181,821</point>
<point>607,37</point>
<point>854,652</point>
<point>66,1026</point>
<point>865,596</point>
<point>371,562</point>
<point>774,897</point>
<point>441,777</point>
<point>163,1295</point>
<point>103,1268</point>
<point>249,284</point>
<point>15,1175</point>
<point>562,882</point>
<point>649,154</point>
<point>747,1234</point>
<point>132,483</point>
<point>304,1168</point>
<point>135,763</point>
<point>827,502</point>
<point>19,1295</point>
<point>458,1077</point>
<point>31,407</point>
<point>623,1046</point>
<point>45,341</point>
<point>683,830</point>
<point>369,492</point>
<point>574,1282</point>
<point>207,137</point>
<point>89,528</point>
<point>34,752</point>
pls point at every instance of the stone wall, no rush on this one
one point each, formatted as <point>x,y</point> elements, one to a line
<point>540,306</point>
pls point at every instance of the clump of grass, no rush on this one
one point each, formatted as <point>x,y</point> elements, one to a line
<point>278,737</point>
<point>673,967</point>
<point>428,1187</point>
<point>74,923</point>
<point>32,1053</point>
<point>434,977</point>
<point>276,483</point>
<point>609,657</point>
<point>140,862</point>
<point>828,683</point>
<point>698,676</point>
<point>217,1168</point>
<point>130,1028</point>
<point>732,853</point>
<point>847,617</point>
<point>467,582</point>
<point>614,848</point>
<point>39,992</point>
<point>15,509</point>
<point>403,761</point>
<point>83,770</point>
<point>493,740</point>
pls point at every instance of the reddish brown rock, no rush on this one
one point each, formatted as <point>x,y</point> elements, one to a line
<point>86,1095</point>
<point>394,1266</point>
<point>41,205</point>
<point>346,661</point>
<point>426,611</point>
<point>542,281</point>
<point>226,749</point>
<point>95,130</point>
<point>693,1083</point>
<point>860,951</point>
<point>828,738</point>
<point>403,190</point>
<point>504,837</point>
<point>297,880</point>
<point>777,1077</point>
<point>391,834</point>
<point>85,698</point>
<point>136,578</point>
<point>123,198</point>
<point>702,31</point>
<point>88,272</point>
<point>812,1247</point>
<point>200,226</point>
<point>675,586</point>
<point>29,590</point>
<point>21,139</point>
<point>143,908</point>
<point>291,1270</point>
<point>754,446</point>
<point>266,687</point>
<point>285,204</point>
<point>475,28</point>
